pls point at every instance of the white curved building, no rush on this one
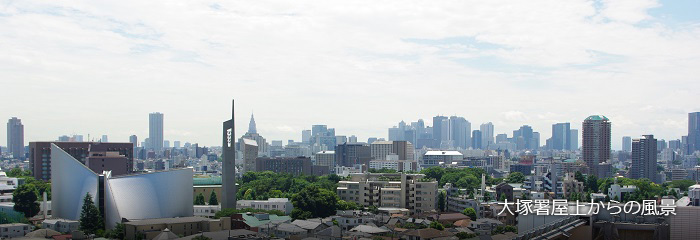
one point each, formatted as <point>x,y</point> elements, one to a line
<point>133,197</point>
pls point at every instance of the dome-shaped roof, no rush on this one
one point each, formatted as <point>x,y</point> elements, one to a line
<point>598,118</point>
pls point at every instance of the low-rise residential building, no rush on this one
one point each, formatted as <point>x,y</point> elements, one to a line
<point>257,222</point>
<point>13,230</point>
<point>397,165</point>
<point>183,226</point>
<point>351,218</point>
<point>61,225</point>
<point>206,210</point>
<point>411,191</point>
<point>279,204</point>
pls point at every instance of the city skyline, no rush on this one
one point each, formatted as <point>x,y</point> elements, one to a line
<point>297,67</point>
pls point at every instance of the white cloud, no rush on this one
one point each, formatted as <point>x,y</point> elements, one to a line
<point>348,64</point>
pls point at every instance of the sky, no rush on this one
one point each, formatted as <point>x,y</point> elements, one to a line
<point>99,67</point>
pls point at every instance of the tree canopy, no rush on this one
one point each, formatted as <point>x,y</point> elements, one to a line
<point>212,199</point>
<point>90,217</point>
<point>314,201</point>
<point>516,177</point>
<point>199,199</point>
<point>470,212</point>
<point>25,197</point>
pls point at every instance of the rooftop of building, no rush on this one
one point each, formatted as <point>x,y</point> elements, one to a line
<point>167,221</point>
<point>597,118</point>
<point>439,153</point>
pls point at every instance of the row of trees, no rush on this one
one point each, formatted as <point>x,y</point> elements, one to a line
<point>468,178</point>
<point>199,199</point>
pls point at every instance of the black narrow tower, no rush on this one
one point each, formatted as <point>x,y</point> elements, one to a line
<point>228,155</point>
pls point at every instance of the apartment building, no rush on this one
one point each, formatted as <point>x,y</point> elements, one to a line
<point>392,190</point>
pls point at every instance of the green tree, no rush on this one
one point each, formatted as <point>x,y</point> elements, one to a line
<point>502,198</point>
<point>90,217</point>
<point>116,233</point>
<point>437,225</point>
<point>516,177</point>
<point>345,205</point>
<point>579,177</point>
<point>503,229</point>
<point>25,197</point>
<point>433,172</point>
<point>199,199</point>
<point>213,200</point>
<point>314,201</point>
<point>201,237</point>
<point>441,201</point>
<point>591,183</point>
<point>470,212</point>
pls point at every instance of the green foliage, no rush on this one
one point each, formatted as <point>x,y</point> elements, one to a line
<point>314,201</point>
<point>345,205</point>
<point>90,217</point>
<point>441,201</point>
<point>502,198</point>
<point>212,199</point>
<point>373,209</point>
<point>437,225</point>
<point>681,184</point>
<point>19,173</point>
<point>464,235</point>
<point>201,237</point>
<point>579,177</point>
<point>265,185</point>
<point>199,199</point>
<point>591,184</point>
<point>116,233</point>
<point>470,212</point>
<point>503,229</point>
<point>515,177</point>
<point>227,212</point>
<point>25,197</point>
<point>383,170</point>
<point>468,178</point>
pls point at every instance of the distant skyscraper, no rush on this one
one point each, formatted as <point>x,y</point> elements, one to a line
<point>63,138</point>
<point>596,143</point>
<point>155,131</point>
<point>574,139</point>
<point>305,136</point>
<point>460,132</point>
<point>626,144</point>
<point>166,144</point>
<point>524,138</point>
<point>77,138</point>
<point>352,139</point>
<point>560,136</point>
<point>476,139</point>
<point>351,154</point>
<point>660,145</point>
<point>133,139</point>
<point>693,132</point>
<point>644,158</point>
<point>441,130</point>
<point>251,126</point>
<point>104,139</point>
<point>15,138</point>
<point>674,144</point>
<point>486,135</point>
<point>249,149</point>
<point>177,144</point>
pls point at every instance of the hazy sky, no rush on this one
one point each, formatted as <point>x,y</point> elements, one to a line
<point>99,67</point>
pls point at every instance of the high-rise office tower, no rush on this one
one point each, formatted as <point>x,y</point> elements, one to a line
<point>460,132</point>
<point>254,135</point>
<point>441,130</point>
<point>660,145</point>
<point>133,139</point>
<point>560,136</point>
<point>627,144</point>
<point>674,144</point>
<point>15,138</point>
<point>155,131</point>
<point>486,135</point>
<point>249,149</point>
<point>644,158</point>
<point>524,138</point>
<point>104,139</point>
<point>379,150</point>
<point>64,138</point>
<point>251,125</point>
<point>596,143</point>
<point>176,144</point>
<point>574,139</point>
<point>693,132</point>
<point>166,144</point>
<point>476,139</point>
<point>305,136</point>
<point>352,139</point>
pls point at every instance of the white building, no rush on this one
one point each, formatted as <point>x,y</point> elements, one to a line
<point>694,194</point>
<point>61,225</point>
<point>617,192</point>
<point>435,158</point>
<point>206,210</point>
<point>13,230</point>
<point>398,165</point>
<point>325,158</point>
<point>280,204</point>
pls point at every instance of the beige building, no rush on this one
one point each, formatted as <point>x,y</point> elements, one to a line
<point>325,158</point>
<point>249,151</point>
<point>396,190</point>
<point>184,226</point>
<point>206,191</point>
<point>379,150</point>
